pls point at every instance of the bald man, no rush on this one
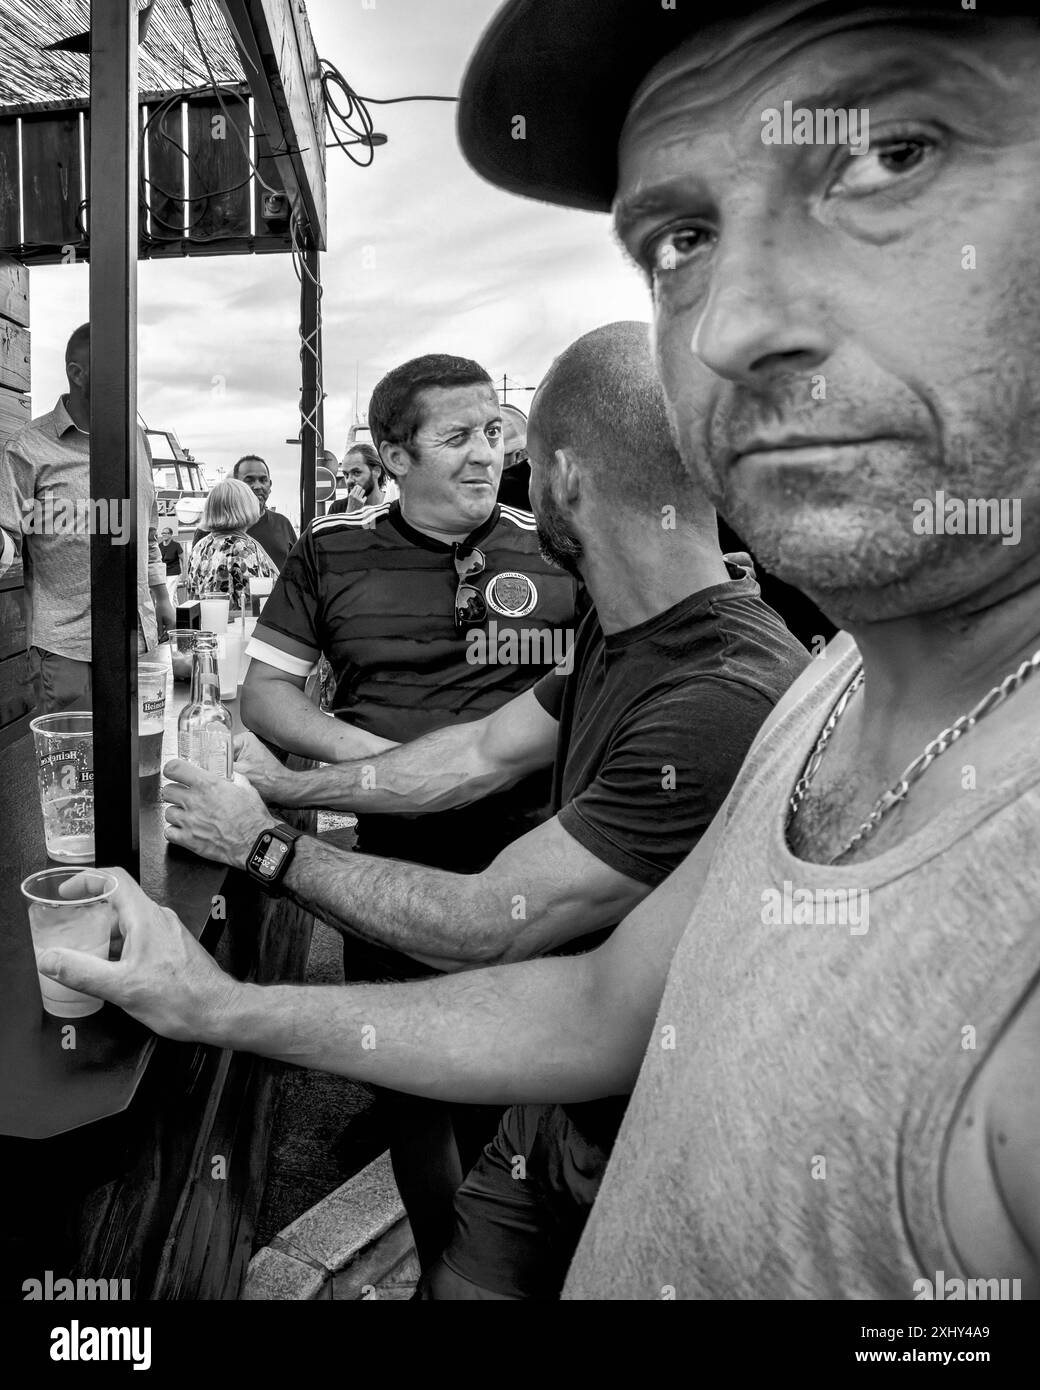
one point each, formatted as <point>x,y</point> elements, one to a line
<point>673,674</point>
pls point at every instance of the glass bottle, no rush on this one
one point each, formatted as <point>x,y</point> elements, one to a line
<point>204,726</point>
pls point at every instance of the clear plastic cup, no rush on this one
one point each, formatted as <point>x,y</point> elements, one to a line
<point>213,612</point>
<point>65,773</point>
<point>152,681</point>
<point>81,921</point>
<point>182,643</point>
<point>229,661</point>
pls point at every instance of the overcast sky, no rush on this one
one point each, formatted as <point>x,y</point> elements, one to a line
<point>458,267</point>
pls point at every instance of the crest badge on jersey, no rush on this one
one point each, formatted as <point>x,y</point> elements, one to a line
<point>511,594</point>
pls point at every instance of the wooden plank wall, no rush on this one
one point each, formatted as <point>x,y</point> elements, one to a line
<point>51,174</point>
<point>16,701</point>
<point>46,196</point>
<point>219,167</point>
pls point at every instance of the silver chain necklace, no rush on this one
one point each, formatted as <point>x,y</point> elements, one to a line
<point>891,798</point>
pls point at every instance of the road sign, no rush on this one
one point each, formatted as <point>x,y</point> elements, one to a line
<point>324,484</point>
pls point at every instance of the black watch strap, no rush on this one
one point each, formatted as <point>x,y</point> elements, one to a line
<point>272,853</point>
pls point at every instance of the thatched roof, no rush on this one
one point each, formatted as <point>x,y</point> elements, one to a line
<point>169,56</point>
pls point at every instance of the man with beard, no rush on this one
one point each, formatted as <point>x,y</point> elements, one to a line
<point>841,1114</point>
<point>645,724</point>
<point>362,471</point>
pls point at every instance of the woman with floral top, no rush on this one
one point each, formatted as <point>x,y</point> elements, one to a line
<point>225,559</point>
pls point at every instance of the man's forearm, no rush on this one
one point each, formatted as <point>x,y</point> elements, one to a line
<point>528,1033</point>
<point>437,772</point>
<point>286,716</point>
<point>452,921</point>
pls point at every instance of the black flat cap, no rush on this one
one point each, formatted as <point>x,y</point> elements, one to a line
<point>570,68</point>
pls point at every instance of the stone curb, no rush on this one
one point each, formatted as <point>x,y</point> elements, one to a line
<point>354,1241</point>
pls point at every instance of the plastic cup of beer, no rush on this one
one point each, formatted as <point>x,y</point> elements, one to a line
<point>152,679</point>
<point>213,612</point>
<point>80,918</point>
<point>65,773</point>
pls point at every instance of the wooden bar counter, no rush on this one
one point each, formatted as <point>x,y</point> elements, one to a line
<point>126,1156</point>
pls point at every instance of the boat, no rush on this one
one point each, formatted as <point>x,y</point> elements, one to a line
<point>181,485</point>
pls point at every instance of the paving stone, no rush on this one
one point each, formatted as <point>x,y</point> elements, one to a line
<point>276,1275</point>
<point>344,1223</point>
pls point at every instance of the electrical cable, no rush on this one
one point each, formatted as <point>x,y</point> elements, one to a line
<point>220,102</point>
<point>392,101</point>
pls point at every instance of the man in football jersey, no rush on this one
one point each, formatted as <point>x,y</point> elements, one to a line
<point>784,1043</point>
<point>391,595</point>
<point>672,675</point>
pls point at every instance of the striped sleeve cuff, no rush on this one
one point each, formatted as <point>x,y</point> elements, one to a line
<point>259,650</point>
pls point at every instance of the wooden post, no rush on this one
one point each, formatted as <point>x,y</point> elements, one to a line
<point>113,424</point>
<point>311,410</point>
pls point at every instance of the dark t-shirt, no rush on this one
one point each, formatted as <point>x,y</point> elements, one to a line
<point>514,488</point>
<point>655,723</point>
<point>273,531</point>
<point>799,613</point>
<point>171,552</point>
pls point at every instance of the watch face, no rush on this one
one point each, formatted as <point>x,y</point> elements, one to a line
<point>267,859</point>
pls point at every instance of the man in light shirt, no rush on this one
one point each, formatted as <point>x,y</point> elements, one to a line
<point>46,519</point>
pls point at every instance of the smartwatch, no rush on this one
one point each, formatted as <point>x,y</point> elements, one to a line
<point>271,855</point>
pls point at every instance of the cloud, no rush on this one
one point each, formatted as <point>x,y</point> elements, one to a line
<point>422,256</point>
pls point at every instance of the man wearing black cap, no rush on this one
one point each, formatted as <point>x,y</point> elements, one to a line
<point>829,1013</point>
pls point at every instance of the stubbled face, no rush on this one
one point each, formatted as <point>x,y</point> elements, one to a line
<point>255,476</point>
<point>452,473</point>
<point>357,473</point>
<point>828,355</point>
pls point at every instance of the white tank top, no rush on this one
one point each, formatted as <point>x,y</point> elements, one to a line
<point>789,1145</point>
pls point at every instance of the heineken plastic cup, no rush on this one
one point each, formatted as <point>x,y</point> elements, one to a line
<point>152,681</point>
<point>65,773</point>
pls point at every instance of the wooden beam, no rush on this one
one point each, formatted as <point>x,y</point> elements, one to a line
<point>10,185</point>
<point>15,413</point>
<point>14,357</point>
<point>310,394</point>
<point>51,178</point>
<point>113,424</point>
<point>165,171</point>
<point>281,65</point>
<point>218,162</point>
<point>14,292</point>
